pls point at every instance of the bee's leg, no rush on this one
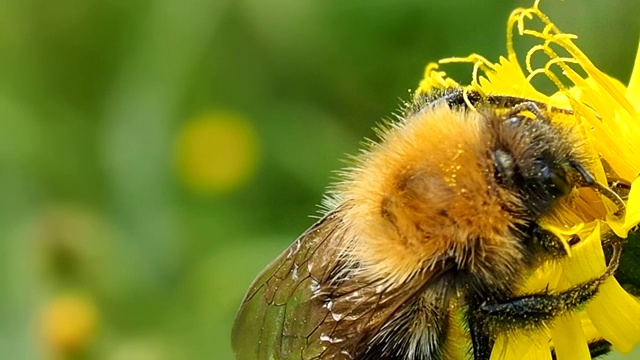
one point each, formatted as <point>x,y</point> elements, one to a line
<point>599,347</point>
<point>549,244</point>
<point>596,348</point>
<point>529,106</point>
<point>481,339</point>
<point>531,311</point>
<point>461,98</point>
<point>526,312</point>
<point>506,101</point>
<point>480,326</point>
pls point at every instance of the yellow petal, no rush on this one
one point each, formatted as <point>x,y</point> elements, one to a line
<point>587,260</point>
<point>546,276</point>
<point>633,91</point>
<point>616,315</point>
<point>612,121</point>
<point>613,312</point>
<point>590,331</point>
<point>569,339</point>
<point>534,346</point>
<point>434,79</point>
<point>507,78</point>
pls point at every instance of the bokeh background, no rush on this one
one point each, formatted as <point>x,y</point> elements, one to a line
<point>155,155</point>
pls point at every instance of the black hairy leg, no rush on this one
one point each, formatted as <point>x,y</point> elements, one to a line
<point>529,106</point>
<point>462,98</point>
<point>487,319</point>
<point>481,339</point>
<point>597,348</point>
<point>549,245</point>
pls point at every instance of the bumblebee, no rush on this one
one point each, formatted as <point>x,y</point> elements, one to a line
<point>439,219</point>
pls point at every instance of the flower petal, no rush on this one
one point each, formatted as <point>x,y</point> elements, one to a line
<point>434,79</point>
<point>587,259</point>
<point>507,77</point>
<point>614,312</point>
<point>616,315</point>
<point>633,91</point>
<point>534,346</point>
<point>569,339</point>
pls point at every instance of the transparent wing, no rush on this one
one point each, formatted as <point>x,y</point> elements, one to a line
<point>280,312</point>
<point>307,306</point>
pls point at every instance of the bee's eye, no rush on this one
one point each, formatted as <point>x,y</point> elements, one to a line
<point>553,177</point>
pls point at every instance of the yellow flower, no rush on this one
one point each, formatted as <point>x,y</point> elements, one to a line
<point>68,324</point>
<point>216,153</point>
<point>607,114</point>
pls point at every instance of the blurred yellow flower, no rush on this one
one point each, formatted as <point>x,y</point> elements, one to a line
<point>216,153</point>
<point>606,112</point>
<point>68,323</point>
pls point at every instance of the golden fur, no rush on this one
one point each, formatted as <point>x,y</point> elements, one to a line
<point>421,196</point>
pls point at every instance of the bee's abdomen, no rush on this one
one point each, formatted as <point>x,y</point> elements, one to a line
<point>418,331</point>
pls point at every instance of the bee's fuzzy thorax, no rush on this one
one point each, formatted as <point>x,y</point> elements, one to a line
<point>426,194</point>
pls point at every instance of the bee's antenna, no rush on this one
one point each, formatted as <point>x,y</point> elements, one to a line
<point>590,181</point>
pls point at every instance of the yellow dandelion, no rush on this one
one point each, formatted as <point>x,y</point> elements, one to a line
<point>68,324</point>
<point>607,114</point>
<point>216,153</point>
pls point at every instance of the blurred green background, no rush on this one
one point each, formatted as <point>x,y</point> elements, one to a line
<point>155,155</point>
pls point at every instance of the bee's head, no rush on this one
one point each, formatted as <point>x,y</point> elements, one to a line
<point>541,162</point>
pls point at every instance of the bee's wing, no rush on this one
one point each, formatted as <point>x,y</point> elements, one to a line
<point>280,312</point>
<point>303,307</point>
